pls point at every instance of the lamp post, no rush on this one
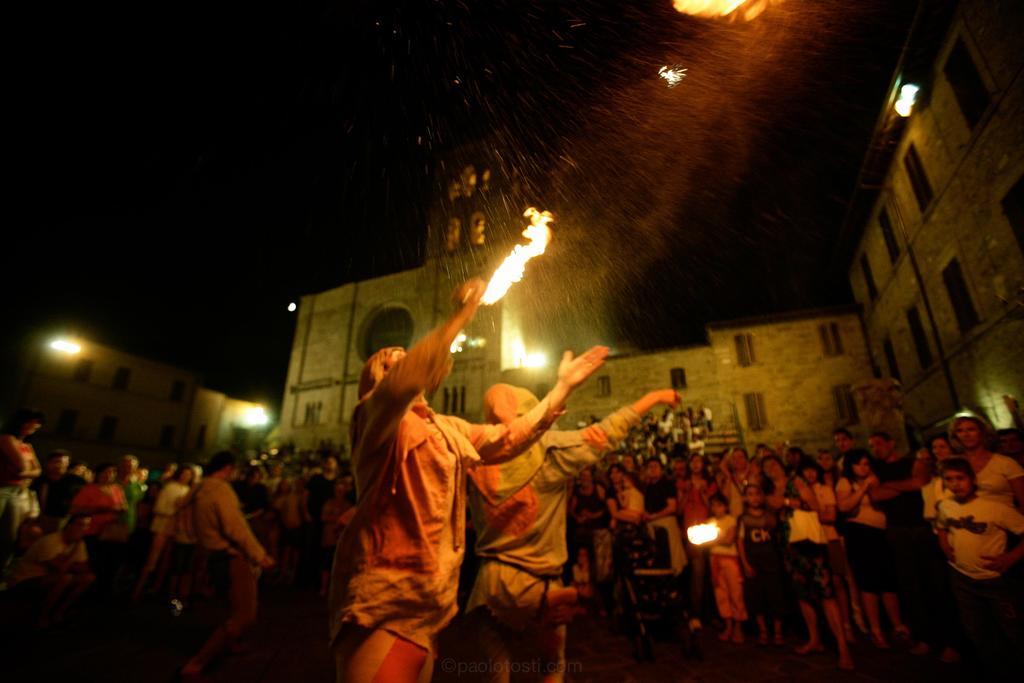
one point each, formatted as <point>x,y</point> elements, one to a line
<point>65,347</point>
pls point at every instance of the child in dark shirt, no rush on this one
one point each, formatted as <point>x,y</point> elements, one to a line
<point>763,585</point>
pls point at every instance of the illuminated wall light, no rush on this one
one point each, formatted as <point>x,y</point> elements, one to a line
<point>65,346</point>
<point>905,102</point>
<point>456,346</point>
<point>292,307</point>
<point>535,360</point>
<point>522,359</point>
<point>255,417</point>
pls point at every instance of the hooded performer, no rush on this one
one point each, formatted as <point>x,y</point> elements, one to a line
<point>519,512</point>
<point>396,566</point>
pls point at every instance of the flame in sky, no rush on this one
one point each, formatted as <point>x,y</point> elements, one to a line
<point>742,9</point>
<point>511,269</point>
<point>672,75</point>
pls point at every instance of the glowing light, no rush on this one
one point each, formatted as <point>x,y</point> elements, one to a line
<point>905,102</point>
<point>255,417</point>
<point>522,359</point>
<point>702,534</point>
<point>673,75</point>
<point>456,346</point>
<point>534,360</point>
<point>292,307</point>
<point>511,269</point>
<point>733,9</point>
<point>65,346</point>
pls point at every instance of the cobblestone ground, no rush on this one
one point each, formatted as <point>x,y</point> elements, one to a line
<point>120,642</point>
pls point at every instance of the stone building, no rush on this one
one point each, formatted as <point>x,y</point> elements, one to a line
<point>474,221</point>
<point>935,231</point>
<point>772,379</point>
<point>101,403</point>
<point>781,378</point>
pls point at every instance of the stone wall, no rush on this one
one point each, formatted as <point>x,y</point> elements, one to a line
<point>970,171</point>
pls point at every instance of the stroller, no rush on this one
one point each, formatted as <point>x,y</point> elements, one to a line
<point>649,596</point>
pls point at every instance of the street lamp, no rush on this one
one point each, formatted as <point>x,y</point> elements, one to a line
<point>905,102</point>
<point>65,346</point>
<point>256,417</point>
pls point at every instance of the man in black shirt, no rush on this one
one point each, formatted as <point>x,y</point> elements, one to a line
<point>54,490</point>
<point>660,510</point>
<point>319,490</point>
<point>920,567</point>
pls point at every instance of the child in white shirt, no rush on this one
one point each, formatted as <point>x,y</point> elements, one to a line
<point>972,532</point>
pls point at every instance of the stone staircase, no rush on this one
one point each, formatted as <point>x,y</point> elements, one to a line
<point>722,438</point>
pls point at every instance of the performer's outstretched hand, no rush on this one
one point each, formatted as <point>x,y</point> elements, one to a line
<point>466,299</point>
<point>573,372</point>
<point>668,397</point>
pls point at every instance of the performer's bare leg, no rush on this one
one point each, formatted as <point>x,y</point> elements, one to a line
<point>378,656</point>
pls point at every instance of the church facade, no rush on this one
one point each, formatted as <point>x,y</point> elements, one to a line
<point>789,377</point>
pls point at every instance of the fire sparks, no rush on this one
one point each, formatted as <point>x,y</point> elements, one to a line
<point>511,269</point>
<point>673,75</point>
<point>733,9</point>
<point>702,534</point>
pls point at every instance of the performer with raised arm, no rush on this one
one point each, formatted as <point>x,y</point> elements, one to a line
<point>396,566</point>
<point>519,511</point>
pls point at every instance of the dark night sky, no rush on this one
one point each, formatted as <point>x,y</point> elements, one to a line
<point>183,171</point>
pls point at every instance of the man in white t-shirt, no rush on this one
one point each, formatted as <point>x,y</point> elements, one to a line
<point>56,568</point>
<point>972,532</point>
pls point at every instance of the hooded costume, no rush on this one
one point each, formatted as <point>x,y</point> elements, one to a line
<point>519,511</point>
<point>396,564</point>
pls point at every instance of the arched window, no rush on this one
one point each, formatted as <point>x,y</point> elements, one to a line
<point>453,236</point>
<point>468,179</point>
<point>485,180</point>
<point>390,326</point>
<point>477,229</point>
<point>454,190</point>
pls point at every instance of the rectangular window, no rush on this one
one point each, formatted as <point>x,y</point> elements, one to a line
<point>891,245</point>
<point>845,405</point>
<point>66,422</point>
<point>924,352</point>
<point>1013,207</point>
<point>177,390</point>
<point>121,378</point>
<point>108,427</point>
<point>959,297</point>
<point>831,341</point>
<point>918,179</point>
<point>167,436</point>
<point>890,358</point>
<point>604,385</point>
<point>313,413</point>
<point>83,370</point>
<point>869,278</point>
<point>678,378</point>
<point>757,418</point>
<point>745,350</point>
<point>201,437</point>
<point>970,91</point>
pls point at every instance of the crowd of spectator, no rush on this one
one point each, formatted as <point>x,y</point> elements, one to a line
<point>917,551</point>
<point>123,529</point>
<point>920,550</point>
